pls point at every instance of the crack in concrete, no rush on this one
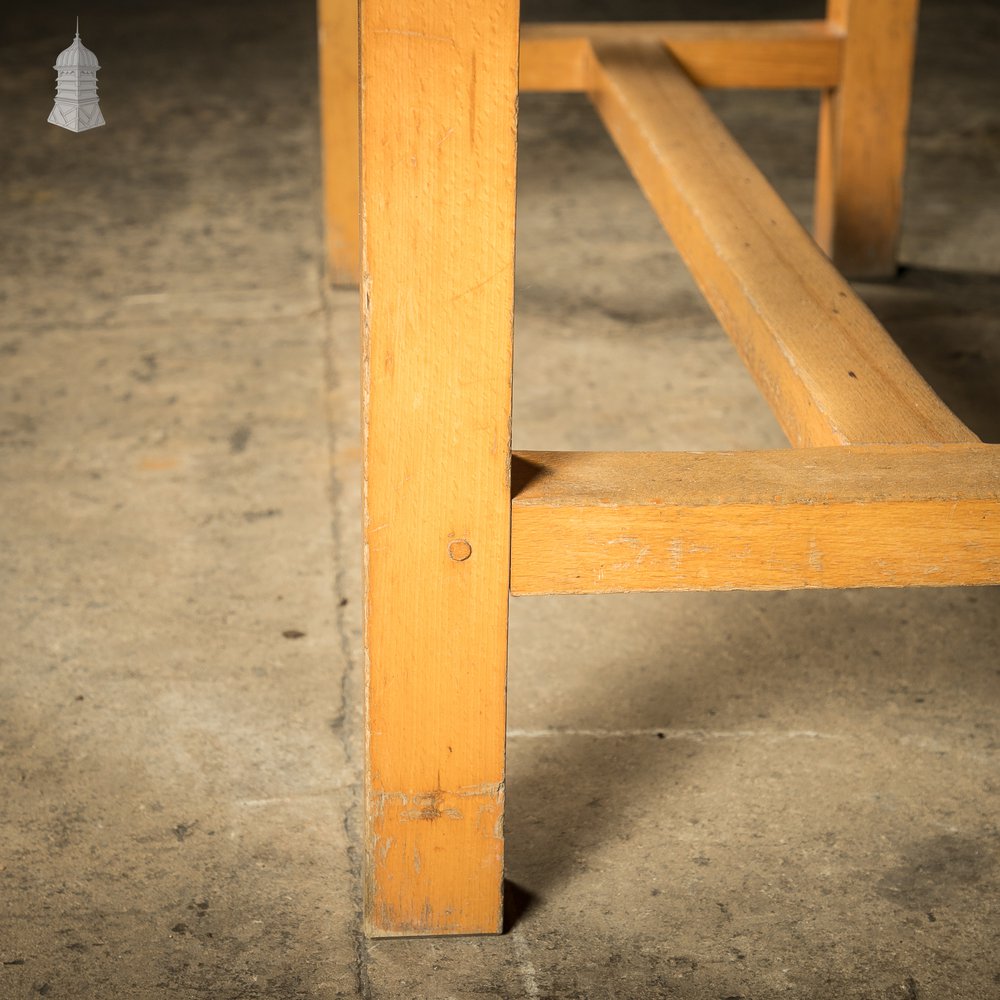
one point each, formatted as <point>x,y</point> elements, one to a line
<point>348,680</point>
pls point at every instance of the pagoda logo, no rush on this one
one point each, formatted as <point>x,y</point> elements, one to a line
<point>76,106</point>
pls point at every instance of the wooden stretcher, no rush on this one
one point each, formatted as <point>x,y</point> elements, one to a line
<point>883,486</point>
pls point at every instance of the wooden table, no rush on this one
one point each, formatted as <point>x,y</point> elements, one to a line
<point>883,485</point>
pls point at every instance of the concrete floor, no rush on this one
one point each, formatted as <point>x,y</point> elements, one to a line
<point>710,796</point>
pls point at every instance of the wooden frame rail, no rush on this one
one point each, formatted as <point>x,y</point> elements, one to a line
<point>881,516</point>
<point>765,54</point>
<point>827,367</point>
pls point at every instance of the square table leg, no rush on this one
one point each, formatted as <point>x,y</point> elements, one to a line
<point>338,101</point>
<point>862,137</point>
<point>438,136</point>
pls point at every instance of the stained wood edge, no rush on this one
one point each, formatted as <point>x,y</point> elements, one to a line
<point>751,54</point>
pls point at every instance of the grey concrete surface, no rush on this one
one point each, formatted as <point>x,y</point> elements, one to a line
<point>710,796</point>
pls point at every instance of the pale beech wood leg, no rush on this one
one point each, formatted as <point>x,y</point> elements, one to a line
<point>438,134</point>
<point>862,136</point>
<point>338,101</point>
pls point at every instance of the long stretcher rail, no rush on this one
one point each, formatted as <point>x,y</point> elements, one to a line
<point>763,54</point>
<point>829,370</point>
